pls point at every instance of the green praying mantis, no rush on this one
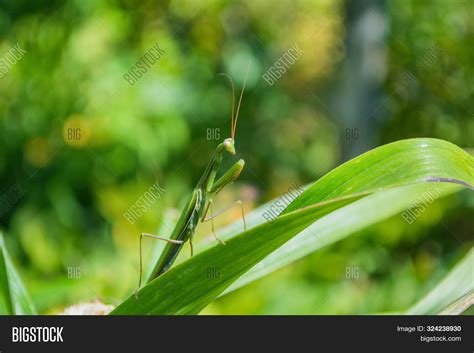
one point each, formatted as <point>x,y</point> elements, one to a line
<point>200,202</point>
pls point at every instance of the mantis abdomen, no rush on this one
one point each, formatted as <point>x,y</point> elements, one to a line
<point>184,230</point>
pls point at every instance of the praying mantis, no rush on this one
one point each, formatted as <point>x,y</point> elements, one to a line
<point>200,202</point>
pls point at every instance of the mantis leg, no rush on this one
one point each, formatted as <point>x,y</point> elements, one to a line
<point>228,178</point>
<point>191,237</point>
<point>191,247</point>
<point>214,215</point>
<point>141,262</point>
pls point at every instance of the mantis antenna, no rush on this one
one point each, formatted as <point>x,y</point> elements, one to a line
<point>234,126</point>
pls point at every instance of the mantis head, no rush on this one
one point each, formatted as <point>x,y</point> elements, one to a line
<point>229,145</point>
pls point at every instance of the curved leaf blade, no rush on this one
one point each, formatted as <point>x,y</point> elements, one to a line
<point>457,283</point>
<point>459,306</point>
<point>395,164</point>
<point>16,298</point>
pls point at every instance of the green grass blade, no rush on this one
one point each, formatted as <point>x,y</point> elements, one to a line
<point>460,305</point>
<point>14,293</point>
<point>186,289</point>
<point>457,283</point>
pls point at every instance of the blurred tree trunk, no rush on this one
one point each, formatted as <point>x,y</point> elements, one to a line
<point>358,101</point>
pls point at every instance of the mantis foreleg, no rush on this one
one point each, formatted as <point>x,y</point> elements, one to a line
<point>232,174</point>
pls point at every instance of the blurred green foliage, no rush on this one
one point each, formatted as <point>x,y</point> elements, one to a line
<point>71,193</point>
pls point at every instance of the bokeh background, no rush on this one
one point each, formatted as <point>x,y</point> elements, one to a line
<point>363,80</point>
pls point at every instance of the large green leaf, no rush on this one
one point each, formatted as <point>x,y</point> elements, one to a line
<point>190,286</point>
<point>14,293</point>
